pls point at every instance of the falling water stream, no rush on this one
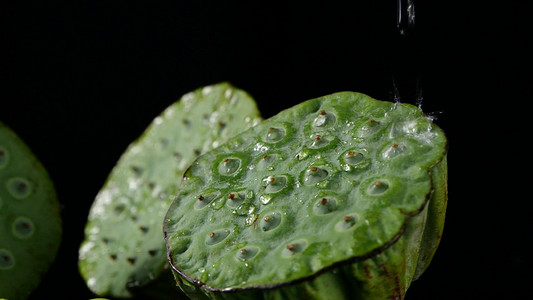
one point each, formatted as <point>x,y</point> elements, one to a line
<point>405,17</point>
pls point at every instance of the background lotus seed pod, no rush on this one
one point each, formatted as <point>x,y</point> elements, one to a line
<point>329,197</point>
<point>30,221</point>
<point>123,254</point>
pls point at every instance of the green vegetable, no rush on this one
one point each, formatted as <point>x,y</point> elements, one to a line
<point>338,197</point>
<point>30,220</point>
<point>124,254</point>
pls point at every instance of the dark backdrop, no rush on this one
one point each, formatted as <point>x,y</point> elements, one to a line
<point>80,81</point>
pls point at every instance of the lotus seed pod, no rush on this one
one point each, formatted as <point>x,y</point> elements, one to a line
<point>341,190</point>
<point>123,254</point>
<point>30,220</point>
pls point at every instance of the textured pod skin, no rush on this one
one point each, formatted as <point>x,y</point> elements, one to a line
<point>330,197</point>
<point>30,221</point>
<point>123,254</point>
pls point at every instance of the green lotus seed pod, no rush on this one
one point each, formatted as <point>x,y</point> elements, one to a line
<point>345,198</point>
<point>124,254</point>
<point>30,220</point>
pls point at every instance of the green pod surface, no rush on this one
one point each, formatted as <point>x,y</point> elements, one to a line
<point>329,199</point>
<point>123,254</point>
<point>30,220</point>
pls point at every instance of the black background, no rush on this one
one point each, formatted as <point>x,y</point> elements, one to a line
<point>80,81</point>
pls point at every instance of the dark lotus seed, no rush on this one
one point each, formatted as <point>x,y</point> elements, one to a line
<point>19,188</point>
<point>7,260</point>
<point>131,260</point>
<point>378,187</point>
<point>23,227</point>
<point>346,223</point>
<point>144,229</point>
<point>216,236</point>
<point>270,221</point>
<point>325,206</point>
<point>113,256</point>
<point>153,252</point>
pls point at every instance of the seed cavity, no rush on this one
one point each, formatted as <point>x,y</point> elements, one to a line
<point>216,236</point>
<point>113,256</point>
<point>246,253</point>
<point>314,175</point>
<point>206,198</point>
<point>325,205</point>
<point>378,187</point>
<point>270,221</point>
<point>23,227</point>
<point>180,244</point>
<point>153,252</point>
<point>274,134</point>
<point>346,222</point>
<point>229,166</point>
<point>7,260</point>
<point>118,209</point>
<point>136,170</point>
<point>274,184</point>
<point>294,248</point>
<point>4,157</point>
<point>19,187</point>
<point>143,229</point>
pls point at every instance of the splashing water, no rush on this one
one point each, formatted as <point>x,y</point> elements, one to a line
<point>405,18</point>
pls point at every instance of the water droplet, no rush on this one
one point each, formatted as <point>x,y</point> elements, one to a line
<point>245,209</point>
<point>229,166</point>
<point>23,227</point>
<point>314,175</point>
<point>4,157</point>
<point>265,199</point>
<point>250,219</point>
<point>368,128</point>
<point>378,187</point>
<point>325,205</point>
<point>274,134</point>
<point>7,260</point>
<point>346,222</point>
<point>294,247</point>
<point>246,253</point>
<point>19,188</point>
<point>270,221</point>
<point>324,119</point>
<point>393,151</point>
<point>320,141</point>
<point>216,236</point>
<point>353,157</point>
<point>275,184</point>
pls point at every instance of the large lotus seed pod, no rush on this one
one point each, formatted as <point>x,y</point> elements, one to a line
<point>124,254</point>
<point>326,200</point>
<point>30,220</point>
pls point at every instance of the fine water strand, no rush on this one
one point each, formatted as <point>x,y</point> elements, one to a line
<point>405,17</point>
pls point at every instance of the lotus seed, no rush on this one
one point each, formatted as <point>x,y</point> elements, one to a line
<point>19,188</point>
<point>246,253</point>
<point>131,260</point>
<point>353,158</point>
<point>320,142</point>
<point>23,227</point>
<point>113,256</point>
<point>7,260</point>
<point>144,229</point>
<point>293,248</point>
<point>3,157</point>
<point>235,199</point>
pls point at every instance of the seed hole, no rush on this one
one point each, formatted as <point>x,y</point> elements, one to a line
<point>274,134</point>
<point>246,253</point>
<point>7,260</point>
<point>19,188</point>
<point>23,227</point>
<point>216,236</point>
<point>270,221</point>
<point>229,166</point>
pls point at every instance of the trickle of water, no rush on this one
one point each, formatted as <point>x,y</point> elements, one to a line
<point>405,17</point>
